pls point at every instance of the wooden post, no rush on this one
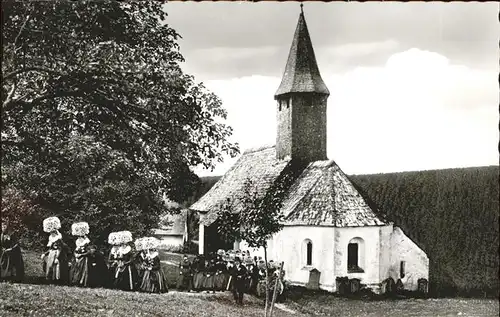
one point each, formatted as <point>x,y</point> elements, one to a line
<point>275,289</point>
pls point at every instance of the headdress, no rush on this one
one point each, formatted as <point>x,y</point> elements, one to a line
<point>139,244</point>
<point>150,243</point>
<point>51,224</point>
<point>80,229</point>
<point>120,237</point>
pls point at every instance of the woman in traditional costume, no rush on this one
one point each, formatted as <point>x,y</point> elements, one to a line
<point>55,259</point>
<point>88,268</point>
<point>220,274</point>
<point>11,259</point>
<point>199,273</point>
<point>153,280</point>
<point>125,277</point>
<point>113,258</point>
<point>79,273</point>
<point>210,270</point>
<point>140,260</point>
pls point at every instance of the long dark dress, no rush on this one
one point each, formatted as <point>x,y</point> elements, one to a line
<point>79,272</point>
<point>125,273</point>
<point>199,274</point>
<point>113,260</point>
<point>139,263</point>
<point>98,270</point>
<point>11,259</point>
<point>209,282</point>
<point>88,268</point>
<point>221,276</point>
<point>153,280</point>
<point>55,262</point>
<point>185,276</point>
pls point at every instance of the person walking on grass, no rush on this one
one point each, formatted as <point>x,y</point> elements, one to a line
<point>55,259</point>
<point>11,259</point>
<point>125,273</point>
<point>139,261</point>
<point>239,281</point>
<point>199,273</point>
<point>88,268</point>
<point>220,280</point>
<point>185,275</point>
<point>153,280</point>
<point>210,270</point>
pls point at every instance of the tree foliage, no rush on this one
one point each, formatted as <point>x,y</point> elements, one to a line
<point>256,221</point>
<point>98,120</point>
<point>453,216</point>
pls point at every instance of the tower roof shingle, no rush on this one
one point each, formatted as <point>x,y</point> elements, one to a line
<point>301,71</point>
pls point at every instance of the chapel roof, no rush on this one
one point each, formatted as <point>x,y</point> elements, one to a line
<point>319,194</point>
<point>301,71</point>
<point>259,165</point>
<point>324,196</point>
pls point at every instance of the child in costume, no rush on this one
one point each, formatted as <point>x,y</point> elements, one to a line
<point>185,280</point>
<point>11,259</point>
<point>55,259</point>
<point>153,280</point>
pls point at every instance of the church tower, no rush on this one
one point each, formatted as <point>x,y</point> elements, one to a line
<point>301,102</point>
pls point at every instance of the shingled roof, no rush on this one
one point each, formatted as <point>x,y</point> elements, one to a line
<point>324,196</point>
<point>301,71</point>
<point>260,166</point>
<point>321,195</point>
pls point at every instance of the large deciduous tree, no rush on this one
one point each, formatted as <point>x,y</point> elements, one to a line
<point>99,122</point>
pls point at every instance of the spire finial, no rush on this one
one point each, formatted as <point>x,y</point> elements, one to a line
<point>301,8</point>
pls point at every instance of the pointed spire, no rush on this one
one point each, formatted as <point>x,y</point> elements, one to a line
<point>301,71</point>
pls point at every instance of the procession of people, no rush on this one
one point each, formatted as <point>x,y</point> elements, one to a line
<point>133,265</point>
<point>235,271</point>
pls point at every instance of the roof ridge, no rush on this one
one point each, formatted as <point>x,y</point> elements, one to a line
<point>259,148</point>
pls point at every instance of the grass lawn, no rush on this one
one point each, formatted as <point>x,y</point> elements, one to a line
<point>47,300</point>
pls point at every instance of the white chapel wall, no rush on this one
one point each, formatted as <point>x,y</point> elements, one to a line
<point>370,259</point>
<point>416,261</point>
<point>289,246</point>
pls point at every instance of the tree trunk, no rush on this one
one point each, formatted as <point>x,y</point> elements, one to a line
<point>275,290</point>
<point>267,282</point>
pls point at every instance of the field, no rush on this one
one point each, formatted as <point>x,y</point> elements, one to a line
<point>47,300</point>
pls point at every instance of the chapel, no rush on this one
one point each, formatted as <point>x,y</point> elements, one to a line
<point>330,228</point>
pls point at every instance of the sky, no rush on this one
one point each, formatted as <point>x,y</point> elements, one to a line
<point>413,86</point>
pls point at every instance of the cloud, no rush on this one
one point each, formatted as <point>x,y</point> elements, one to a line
<point>362,48</point>
<point>418,111</point>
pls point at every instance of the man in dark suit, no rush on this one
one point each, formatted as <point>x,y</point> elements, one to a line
<point>239,275</point>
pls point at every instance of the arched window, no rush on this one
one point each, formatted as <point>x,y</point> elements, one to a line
<point>307,250</point>
<point>309,253</point>
<point>355,256</point>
